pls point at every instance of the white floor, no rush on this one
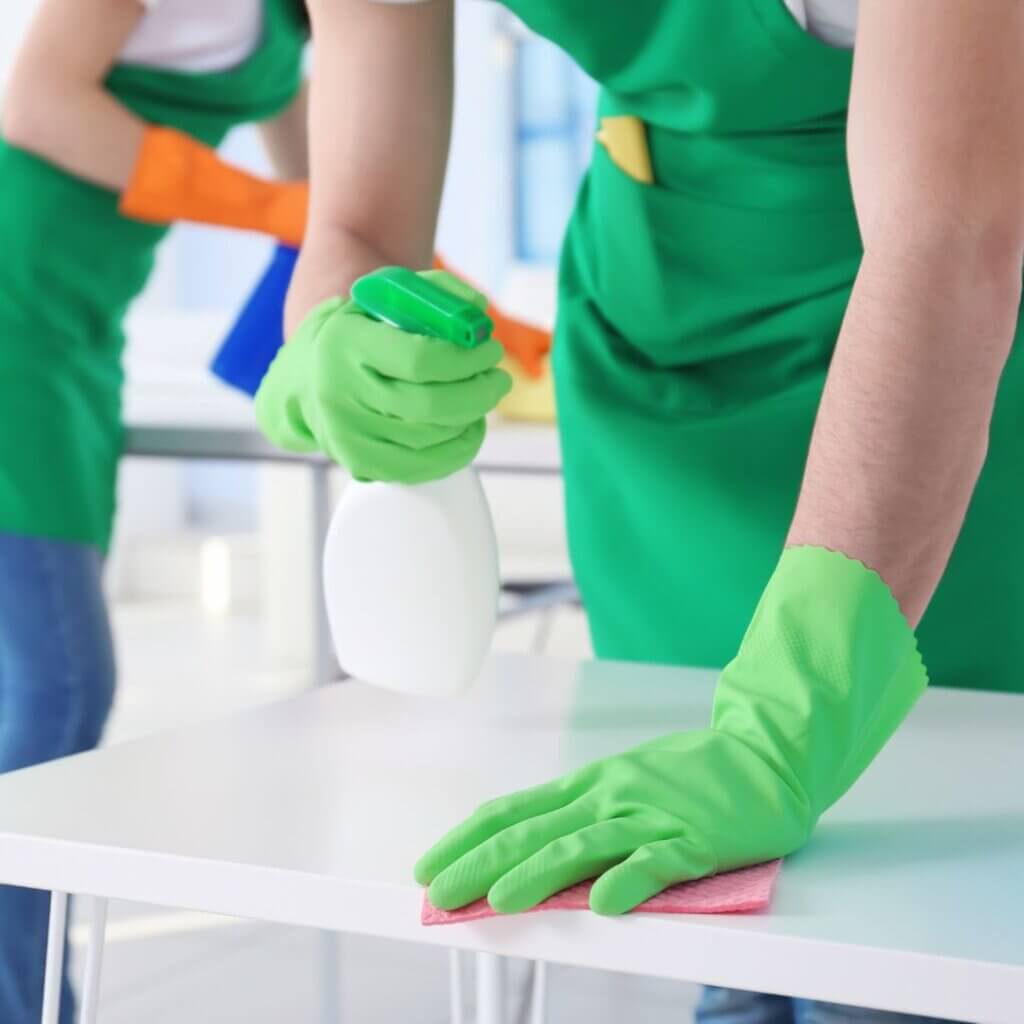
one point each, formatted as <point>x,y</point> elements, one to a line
<point>179,665</point>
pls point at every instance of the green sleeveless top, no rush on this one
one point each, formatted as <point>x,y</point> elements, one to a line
<point>74,264</point>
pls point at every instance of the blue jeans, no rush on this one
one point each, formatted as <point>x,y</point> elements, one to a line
<point>729,1006</point>
<point>56,688</point>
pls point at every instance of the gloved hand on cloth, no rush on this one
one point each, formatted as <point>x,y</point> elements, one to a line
<point>827,671</point>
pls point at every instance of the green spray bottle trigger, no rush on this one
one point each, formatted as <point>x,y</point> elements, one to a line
<point>405,300</point>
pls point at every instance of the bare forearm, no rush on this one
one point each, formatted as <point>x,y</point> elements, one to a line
<point>56,105</point>
<point>380,114</point>
<point>286,138</point>
<point>87,133</point>
<point>328,264</point>
<point>902,430</point>
<point>935,146</point>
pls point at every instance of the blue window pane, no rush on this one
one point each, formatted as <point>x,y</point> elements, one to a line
<point>544,90</point>
<point>548,174</point>
<point>553,136</point>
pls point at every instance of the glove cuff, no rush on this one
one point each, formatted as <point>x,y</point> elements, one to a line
<point>827,671</point>
<point>177,177</point>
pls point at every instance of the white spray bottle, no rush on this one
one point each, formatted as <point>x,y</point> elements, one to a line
<point>411,571</point>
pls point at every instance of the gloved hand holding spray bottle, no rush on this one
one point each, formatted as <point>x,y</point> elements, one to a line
<point>395,383</point>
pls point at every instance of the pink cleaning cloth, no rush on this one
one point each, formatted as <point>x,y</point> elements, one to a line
<point>734,892</point>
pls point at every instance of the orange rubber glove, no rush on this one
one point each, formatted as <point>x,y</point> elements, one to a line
<point>176,177</point>
<point>527,344</point>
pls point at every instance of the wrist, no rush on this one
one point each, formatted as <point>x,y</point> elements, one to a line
<point>329,262</point>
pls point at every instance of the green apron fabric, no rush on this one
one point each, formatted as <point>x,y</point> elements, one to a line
<point>72,265</point>
<point>697,317</point>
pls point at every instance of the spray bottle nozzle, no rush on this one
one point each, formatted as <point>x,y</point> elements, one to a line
<point>405,300</point>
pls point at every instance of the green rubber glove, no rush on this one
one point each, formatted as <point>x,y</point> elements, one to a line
<point>827,671</point>
<point>387,404</point>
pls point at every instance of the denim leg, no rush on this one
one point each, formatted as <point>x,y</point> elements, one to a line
<point>811,1012</point>
<point>731,1006</point>
<point>56,688</point>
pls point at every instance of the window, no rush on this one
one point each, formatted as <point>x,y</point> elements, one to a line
<point>554,117</point>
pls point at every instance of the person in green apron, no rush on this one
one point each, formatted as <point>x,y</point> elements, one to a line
<point>112,103</point>
<point>790,396</point>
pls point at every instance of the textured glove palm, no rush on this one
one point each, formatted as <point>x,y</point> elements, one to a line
<point>387,404</point>
<point>827,671</point>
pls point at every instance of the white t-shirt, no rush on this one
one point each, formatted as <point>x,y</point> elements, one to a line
<point>833,21</point>
<point>198,35</point>
<point>211,35</point>
<point>195,35</point>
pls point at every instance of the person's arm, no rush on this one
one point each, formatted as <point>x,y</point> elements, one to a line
<point>387,404</point>
<point>936,149</point>
<point>380,116</point>
<point>56,105</point>
<point>286,138</point>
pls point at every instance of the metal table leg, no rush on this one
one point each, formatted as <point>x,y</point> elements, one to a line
<point>54,957</point>
<point>94,961</point>
<point>323,651</point>
<point>456,1013</point>
<point>490,989</point>
<point>539,993</point>
<point>323,672</point>
<point>330,992</point>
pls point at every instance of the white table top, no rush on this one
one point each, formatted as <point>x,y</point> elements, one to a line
<point>312,812</point>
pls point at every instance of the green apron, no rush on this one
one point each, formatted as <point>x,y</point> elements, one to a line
<point>697,317</point>
<point>72,265</point>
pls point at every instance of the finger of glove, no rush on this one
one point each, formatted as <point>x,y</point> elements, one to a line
<point>451,283</point>
<point>486,821</point>
<point>370,458</point>
<point>648,871</point>
<point>282,422</point>
<point>473,874</point>
<point>451,403</point>
<point>287,408</point>
<point>566,861</point>
<point>416,358</point>
<point>347,424</point>
<point>278,405</point>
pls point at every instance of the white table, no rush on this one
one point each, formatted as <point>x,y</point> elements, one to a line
<point>312,812</point>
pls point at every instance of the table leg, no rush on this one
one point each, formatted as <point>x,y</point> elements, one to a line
<point>330,991</point>
<point>54,957</point>
<point>543,632</point>
<point>94,961</point>
<point>456,1014</point>
<point>539,993</point>
<point>490,989</point>
<point>323,670</point>
<point>323,651</point>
